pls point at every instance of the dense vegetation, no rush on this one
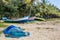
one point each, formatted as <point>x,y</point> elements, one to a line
<point>21,8</point>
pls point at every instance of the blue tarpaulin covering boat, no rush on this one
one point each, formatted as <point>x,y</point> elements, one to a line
<point>20,20</point>
<point>15,32</point>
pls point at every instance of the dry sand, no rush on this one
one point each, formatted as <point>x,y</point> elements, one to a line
<point>49,30</point>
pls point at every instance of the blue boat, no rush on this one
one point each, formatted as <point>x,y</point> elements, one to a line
<point>20,20</point>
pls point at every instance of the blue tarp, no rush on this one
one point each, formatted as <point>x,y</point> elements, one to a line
<point>14,32</point>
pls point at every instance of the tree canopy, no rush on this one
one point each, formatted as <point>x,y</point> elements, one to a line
<point>21,8</point>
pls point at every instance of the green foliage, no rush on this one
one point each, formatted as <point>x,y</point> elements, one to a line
<point>48,10</point>
<point>21,8</point>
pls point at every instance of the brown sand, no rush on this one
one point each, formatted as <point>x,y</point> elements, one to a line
<point>49,30</point>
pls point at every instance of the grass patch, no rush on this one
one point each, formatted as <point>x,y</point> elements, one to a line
<point>49,28</point>
<point>3,25</point>
<point>38,28</point>
<point>52,19</point>
<point>0,32</point>
<point>57,21</point>
<point>23,29</point>
<point>31,22</point>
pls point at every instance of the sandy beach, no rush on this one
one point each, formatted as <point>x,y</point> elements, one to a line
<point>49,30</point>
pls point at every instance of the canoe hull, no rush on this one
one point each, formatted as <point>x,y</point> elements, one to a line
<point>20,21</point>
